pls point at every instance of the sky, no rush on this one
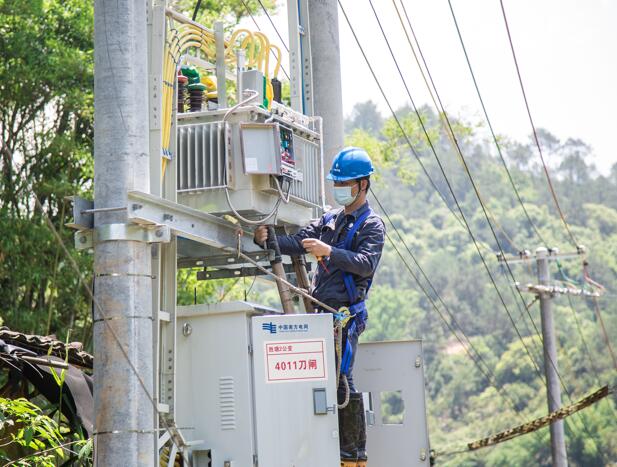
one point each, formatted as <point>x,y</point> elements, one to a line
<point>567,53</point>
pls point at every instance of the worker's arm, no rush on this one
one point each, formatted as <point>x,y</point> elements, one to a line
<point>369,245</point>
<point>291,244</point>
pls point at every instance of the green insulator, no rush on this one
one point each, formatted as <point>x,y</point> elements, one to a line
<point>191,73</point>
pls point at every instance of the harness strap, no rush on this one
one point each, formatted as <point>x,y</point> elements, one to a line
<point>350,284</point>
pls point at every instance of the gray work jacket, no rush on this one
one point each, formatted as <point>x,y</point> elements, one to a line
<point>361,261</point>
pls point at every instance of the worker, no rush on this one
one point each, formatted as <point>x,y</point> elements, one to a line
<point>348,243</point>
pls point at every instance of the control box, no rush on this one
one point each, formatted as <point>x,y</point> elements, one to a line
<point>257,388</point>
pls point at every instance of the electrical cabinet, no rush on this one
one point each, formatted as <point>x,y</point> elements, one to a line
<point>256,388</point>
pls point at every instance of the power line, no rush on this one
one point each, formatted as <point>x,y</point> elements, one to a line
<point>397,120</point>
<point>272,23</point>
<point>536,424</point>
<point>533,127</point>
<point>477,194</point>
<point>473,238</point>
<point>488,120</point>
<point>487,372</point>
<point>547,357</point>
<point>463,215</point>
<point>437,107</point>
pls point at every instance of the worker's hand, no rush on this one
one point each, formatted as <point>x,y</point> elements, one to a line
<point>316,247</point>
<point>261,234</point>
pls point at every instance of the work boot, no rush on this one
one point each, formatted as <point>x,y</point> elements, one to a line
<point>348,435</point>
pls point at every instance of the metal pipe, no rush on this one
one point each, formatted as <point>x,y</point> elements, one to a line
<point>221,85</point>
<point>124,411</point>
<point>279,270</point>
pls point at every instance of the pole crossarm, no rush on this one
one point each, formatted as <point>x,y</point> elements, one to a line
<point>556,290</point>
<point>536,424</point>
<point>553,255</point>
<point>183,221</point>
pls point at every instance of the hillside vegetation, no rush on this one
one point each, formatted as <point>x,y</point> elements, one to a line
<point>462,405</point>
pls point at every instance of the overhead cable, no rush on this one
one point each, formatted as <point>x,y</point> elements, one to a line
<point>482,204</point>
<point>486,371</point>
<point>536,424</point>
<point>462,214</point>
<point>550,360</point>
<point>537,369</point>
<point>273,25</point>
<point>397,120</point>
<point>533,127</point>
<point>488,120</point>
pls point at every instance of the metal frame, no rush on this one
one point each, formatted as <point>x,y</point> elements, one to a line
<point>300,64</point>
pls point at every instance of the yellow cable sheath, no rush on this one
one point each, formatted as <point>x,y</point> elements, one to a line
<point>264,48</point>
<point>279,57</point>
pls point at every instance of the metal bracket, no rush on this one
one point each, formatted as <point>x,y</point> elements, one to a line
<point>85,239</point>
<point>83,217</point>
<point>237,272</point>
<point>187,222</point>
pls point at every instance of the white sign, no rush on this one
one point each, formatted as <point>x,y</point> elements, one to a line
<point>295,361</point>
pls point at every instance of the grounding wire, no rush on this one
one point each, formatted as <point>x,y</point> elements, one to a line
<point>488,120</point>
<point>468,228</point>
<point>248,10</point>
<point>487,372</point>
<point>533,127</point>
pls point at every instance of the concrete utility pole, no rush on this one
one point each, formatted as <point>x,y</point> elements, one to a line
<point>124,424</point>
<point>327,92</point>
<point>558,442</point>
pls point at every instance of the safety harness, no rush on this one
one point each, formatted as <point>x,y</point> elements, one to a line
<point>357,311</point>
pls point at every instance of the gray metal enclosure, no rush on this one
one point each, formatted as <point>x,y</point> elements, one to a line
<point>256,388</point>
<point>392,373</point>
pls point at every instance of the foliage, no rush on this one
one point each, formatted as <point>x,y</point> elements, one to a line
<point>45,150</point>
<point>229,11</point>
<point>22,424</point>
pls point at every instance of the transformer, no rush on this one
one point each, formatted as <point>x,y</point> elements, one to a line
<point>252,164</point>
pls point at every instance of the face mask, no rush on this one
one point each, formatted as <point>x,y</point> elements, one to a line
<point>343,196</point>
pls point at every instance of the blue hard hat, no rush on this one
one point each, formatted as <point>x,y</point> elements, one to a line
<point>349,164</point>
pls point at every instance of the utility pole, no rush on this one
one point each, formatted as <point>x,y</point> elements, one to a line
<point>545,291</point>
<point>558,441</point>
<point>124,424</point>
<point>327,88</point>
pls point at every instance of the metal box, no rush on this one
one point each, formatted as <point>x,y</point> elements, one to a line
<point>392,375</point>
<point>214,172</point>
<point>256,388</point>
